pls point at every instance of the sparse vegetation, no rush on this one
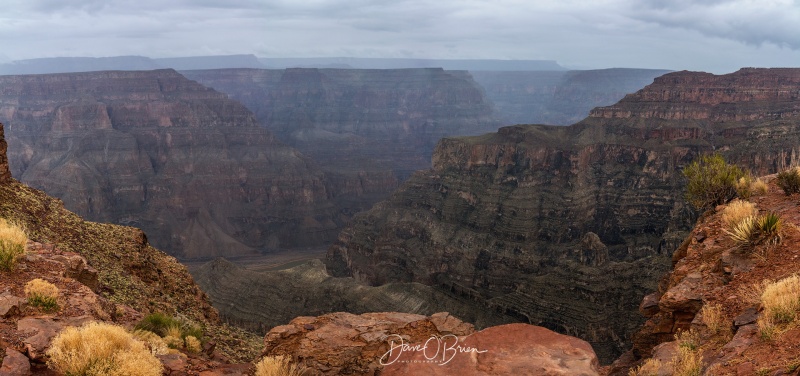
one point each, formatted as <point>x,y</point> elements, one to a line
<point>714,319</point>
<point>744,187</point>
<point>751,231</point>
<point>759,187</point>
<point>42,294</point>
<point>789,181</point>
<point>649,368</point>
<point>154,343</point>
<point>736,211</point>
<point>687,362</point>
<point>175,332</point>
<point>193,344</point>
<point>712,181</point>
<point>101,349</point>
<point>689,339</point>
<point>277,366</point>
<point>781,300</point>
<point>12,244</point>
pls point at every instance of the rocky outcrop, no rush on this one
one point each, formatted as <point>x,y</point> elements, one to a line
<point>513,349</point>
<point>158,151</point>
<point>559,97</point>
<point>5,172</point>
<point>501,217</point>
<point>710,302</point>
<point>262,300</point>
<point>346,344</point>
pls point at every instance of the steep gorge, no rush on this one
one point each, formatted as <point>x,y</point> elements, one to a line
<point>568,227</point>
<point>155,150</point>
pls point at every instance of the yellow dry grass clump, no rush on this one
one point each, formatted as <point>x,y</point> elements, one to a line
<point>781,300</point>
<point>714,319</point>
<point>649,368</point>
<point>12,243</point>
<point>277,366</point>
<point>736,211</point>
<point>193,344</point>
<point>101,349</point>
<point>42,294</point>
<point>687,362</point>
<point>153,341</point>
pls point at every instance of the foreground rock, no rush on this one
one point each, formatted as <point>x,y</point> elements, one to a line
<point>346,344</point>
<point>514,349</point>
<point>502,218</point>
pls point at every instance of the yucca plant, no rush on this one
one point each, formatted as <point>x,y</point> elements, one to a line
<point>770,227</point>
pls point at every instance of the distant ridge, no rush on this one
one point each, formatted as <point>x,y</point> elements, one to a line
<point>389,63</point>
<point>133,63</point>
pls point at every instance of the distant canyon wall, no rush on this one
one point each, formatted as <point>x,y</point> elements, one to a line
<point>568,227</point>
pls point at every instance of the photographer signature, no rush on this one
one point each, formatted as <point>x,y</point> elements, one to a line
<point>436,349</point>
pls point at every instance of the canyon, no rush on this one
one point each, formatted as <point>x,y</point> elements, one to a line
<point>569,227</point>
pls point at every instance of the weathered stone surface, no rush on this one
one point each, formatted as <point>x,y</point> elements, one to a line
<point>15,364</point>
<point>749,316</point>
<point>262,300</point>
<point>343,343</point>
<point>649,305</point>
<point>498,216</point>
<point>10,305</point>
<point>513,349</point>
<point>42,330</point>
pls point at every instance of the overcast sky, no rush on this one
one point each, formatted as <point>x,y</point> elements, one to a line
<point>710,35</point>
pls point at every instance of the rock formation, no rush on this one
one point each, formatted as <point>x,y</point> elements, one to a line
<point>346,344</point>
<point>713,296</point>
<point>261,300</point>
<point>158,151</point>
<point>377,125</point>
<point>500,217</point>
<point>559,97</point>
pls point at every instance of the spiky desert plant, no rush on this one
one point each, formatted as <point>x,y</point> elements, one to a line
<point>744,231</point>
<point>277,366</point>
<point>12,244</point>
<point>769,227</point>
<point>781,300</point>
<point>789,181</point>
<point>736,211</point>
<point>712,181</point>
<point>42,294</point>
<point>101,349</point>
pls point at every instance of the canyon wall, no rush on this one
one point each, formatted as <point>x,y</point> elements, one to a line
<point>155,150</point>
<point>559,97</point>
<point>568,227</point>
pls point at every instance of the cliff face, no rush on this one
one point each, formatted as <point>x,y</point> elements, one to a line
<point>559,98</point>
<point>156,150</point>
<point>371,127</point>
<point>568,227</point>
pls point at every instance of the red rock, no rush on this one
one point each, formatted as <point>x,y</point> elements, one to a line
<point>10,305</point>
<point>42,330</point>
<point>174,364</point>
<point>15,364</point>
<point>229,370</point>
<point>649,305</point>
<point>513,349</point>
<point>344,343</point>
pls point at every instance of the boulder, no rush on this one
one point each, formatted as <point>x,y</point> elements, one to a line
<point>513,349</point>
<point>15,364</point>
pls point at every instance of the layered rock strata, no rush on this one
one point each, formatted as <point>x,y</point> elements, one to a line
<point>158,151</point>
<point>262,300</point>
<point>505,218</point>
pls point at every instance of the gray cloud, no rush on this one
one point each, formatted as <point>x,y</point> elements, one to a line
<point>713,35</point>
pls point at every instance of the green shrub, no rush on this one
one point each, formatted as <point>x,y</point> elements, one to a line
<point>712,181</point>
<point>789,181</point>
<point>158,323</point>
<point>173,330</point>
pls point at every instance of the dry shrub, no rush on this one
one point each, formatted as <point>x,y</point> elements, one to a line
<point>750,294</point>
<point>781,300</point>
<point>42,294</point>
<point>154,342</point>
<point>277,366</point>
<point>193,344</point>
<point>766,328</point>
<point>714,319</point>
<point>689,339</point>
<point>759,187</point>
<point>744,187</point>
<point>12,244</point>
<point>687,362</point>
<point>649,368</point>
<point>101,349</point>
<point>736,211</point>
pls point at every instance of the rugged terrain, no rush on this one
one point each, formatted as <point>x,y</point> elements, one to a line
<point>713,296</point>
<point>558,97</point>
<point>103,272</point>
<point>568,227</point>
<point>155,150</point>
<point>360,121</point>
